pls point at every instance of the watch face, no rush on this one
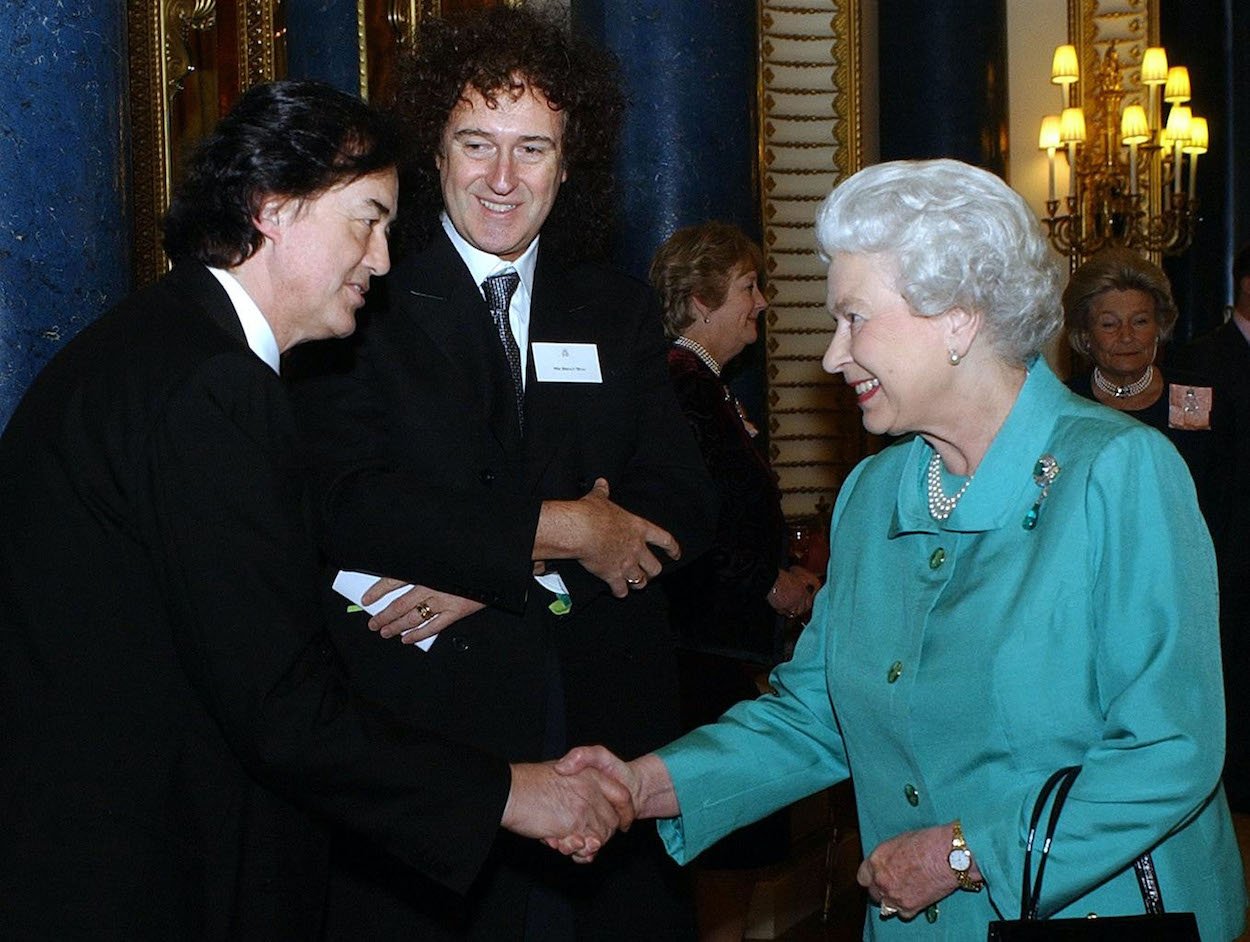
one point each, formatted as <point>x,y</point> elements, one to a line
<point>960,860</point>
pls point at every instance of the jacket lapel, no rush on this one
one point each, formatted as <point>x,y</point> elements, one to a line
<point>197,284</point>
<point>442,307</point>
<point>555,315</point>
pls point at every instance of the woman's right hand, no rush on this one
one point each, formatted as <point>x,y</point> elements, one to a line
<point>646,778</point>
<point>792,593</point>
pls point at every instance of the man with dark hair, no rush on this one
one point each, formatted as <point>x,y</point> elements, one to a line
<point>1222,356</point>
<point>175,724</point>
<point>510,413</point>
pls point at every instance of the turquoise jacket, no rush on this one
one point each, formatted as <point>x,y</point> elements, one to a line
<point>950,668</point>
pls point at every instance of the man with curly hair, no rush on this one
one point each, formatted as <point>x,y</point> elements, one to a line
<point>503,437</point>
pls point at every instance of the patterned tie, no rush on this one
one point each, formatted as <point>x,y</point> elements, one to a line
<point>498,290</point>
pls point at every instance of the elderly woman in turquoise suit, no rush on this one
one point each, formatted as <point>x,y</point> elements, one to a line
<point>1021,584</point>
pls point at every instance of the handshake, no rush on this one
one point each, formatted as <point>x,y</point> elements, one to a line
<point>575,804</point>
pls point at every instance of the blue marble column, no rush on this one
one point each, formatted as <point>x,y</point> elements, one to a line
<point>65,225</point>
<point>943,80</point>
<point>322,43</point>
<point>688,150</point>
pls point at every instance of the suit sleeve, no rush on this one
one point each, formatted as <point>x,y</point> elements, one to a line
<point>664,480</point>
<point>239,572</point>
<point>371,515</point>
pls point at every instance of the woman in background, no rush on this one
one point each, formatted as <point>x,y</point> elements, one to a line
<point>728,606</point>
<point>1117,309</point>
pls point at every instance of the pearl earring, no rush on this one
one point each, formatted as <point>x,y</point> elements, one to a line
<point>954,358</point>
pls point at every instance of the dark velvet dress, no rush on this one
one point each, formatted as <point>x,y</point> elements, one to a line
<point>726,630</point>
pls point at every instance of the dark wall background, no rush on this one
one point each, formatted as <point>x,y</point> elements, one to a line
<point>1204,35</point>
<point>943,82</point>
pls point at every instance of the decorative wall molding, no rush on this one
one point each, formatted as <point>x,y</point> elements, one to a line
<point>1094,24</point>
<point>810,139</point>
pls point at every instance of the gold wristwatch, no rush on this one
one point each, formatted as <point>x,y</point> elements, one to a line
<point>960,859</point>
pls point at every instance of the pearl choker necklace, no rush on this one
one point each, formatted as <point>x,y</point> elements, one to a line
<point>697,349</point>
<point>941,506</point>
<point>1123,392</point>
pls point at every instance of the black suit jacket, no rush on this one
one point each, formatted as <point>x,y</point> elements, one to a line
<point>1223,356</point>
<point>175,723</point>
<point>423,473</point>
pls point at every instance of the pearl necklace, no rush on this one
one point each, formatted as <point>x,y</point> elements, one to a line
<point>941,506</point>
<point>697,349</point>
<point>1123,392</point>
<point>710,362</point>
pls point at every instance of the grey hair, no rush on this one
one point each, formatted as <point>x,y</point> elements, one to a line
<point>961,237</point>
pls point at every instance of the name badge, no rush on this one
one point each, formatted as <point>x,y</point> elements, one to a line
<point>566,362</point>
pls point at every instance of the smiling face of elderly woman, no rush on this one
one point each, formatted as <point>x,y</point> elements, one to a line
<point>894,359</point>
<point>928,261</point>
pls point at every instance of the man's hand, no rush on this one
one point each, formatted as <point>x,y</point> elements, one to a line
<point>419,613</point>
<point>646,778</point>
<point>908,872</point>
<point>608,541</point>
<point>574,813</point>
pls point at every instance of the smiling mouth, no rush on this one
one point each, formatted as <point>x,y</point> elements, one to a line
<point>498,207</point>
<point>865,388</point>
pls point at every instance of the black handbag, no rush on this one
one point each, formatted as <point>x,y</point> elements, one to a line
<point>1155,924</point>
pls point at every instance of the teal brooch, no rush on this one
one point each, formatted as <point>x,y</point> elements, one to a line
<point>1044,473</point>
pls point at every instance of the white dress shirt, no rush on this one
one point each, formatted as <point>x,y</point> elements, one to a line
<point>256,329</point>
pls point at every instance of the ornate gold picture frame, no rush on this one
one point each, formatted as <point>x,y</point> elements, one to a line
<point>189,60</point>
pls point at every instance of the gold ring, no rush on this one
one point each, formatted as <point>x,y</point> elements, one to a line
<point>424,610</point>
<point>634,581</point>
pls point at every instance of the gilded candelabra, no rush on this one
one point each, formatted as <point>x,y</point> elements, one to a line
<point>1126,179</point>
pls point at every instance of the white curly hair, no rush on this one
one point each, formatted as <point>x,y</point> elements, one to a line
<point>961,237</point>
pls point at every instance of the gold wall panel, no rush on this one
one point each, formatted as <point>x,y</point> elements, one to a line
<point>810,138</point>
<point>1093,25</point>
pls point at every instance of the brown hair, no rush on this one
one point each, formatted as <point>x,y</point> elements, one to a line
<point>500,51</point>
<point>697,262</point>
<point>1114,269</point>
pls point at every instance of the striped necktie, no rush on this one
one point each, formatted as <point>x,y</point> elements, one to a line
<point>498,290</point>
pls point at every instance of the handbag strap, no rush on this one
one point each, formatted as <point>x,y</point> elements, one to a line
<point>1031,890</point>
<point>1148,883</point>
